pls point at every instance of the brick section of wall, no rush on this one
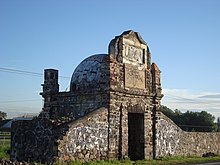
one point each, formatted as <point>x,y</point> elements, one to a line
<point>172,141</point>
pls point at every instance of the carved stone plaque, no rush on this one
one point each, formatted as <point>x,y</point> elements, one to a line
<point>134,78</point>
<point>133,54</point>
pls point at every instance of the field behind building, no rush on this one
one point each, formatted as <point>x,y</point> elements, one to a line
<point>5,138</point>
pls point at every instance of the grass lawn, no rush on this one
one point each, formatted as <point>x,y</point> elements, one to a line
<point>4,154</point>
<point>4,151</point>
<point>180,160</point>
<point>162,161</point>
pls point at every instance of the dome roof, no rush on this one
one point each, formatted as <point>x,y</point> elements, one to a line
<point>88,71</point>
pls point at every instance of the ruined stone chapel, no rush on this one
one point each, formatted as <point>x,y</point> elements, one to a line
<point>110,112</point>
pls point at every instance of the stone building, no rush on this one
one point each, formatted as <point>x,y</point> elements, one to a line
<point>110,112</point>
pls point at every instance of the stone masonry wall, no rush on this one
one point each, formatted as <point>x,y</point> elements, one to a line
<point>41,140</point>
<point>33,140</point>
<point>172,141</point>
<point>86,138</point>
<point>70,106</point>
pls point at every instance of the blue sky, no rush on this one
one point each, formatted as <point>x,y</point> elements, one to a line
<point>183,37</point>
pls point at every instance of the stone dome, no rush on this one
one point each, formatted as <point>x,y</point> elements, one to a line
<point>87,72</point>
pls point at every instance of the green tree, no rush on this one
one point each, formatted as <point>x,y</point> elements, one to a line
<point>3,115</point>
<point>192,121</point>
<point>218,124</point>
<point>199,121</point>
<point>167,111</point>
<point>173,115</point>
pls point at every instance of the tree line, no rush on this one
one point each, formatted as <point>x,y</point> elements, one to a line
<point>192,121</point>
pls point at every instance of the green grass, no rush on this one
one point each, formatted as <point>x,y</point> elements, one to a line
<point>100,162</point>
<point>5,142</point>
<point>161,161</point>
<point>4,151</point>
<point>179,160</point>
<point>4,154</point>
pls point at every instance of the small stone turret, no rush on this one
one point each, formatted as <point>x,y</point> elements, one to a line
<point>50,87</point>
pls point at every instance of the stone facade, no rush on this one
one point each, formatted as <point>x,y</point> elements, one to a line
<point>110,112</point>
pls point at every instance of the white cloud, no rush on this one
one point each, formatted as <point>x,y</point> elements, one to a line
<point>184,99</point>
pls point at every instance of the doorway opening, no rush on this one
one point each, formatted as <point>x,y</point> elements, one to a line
<point>136,136</point>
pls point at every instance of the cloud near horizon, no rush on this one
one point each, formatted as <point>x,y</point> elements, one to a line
<point>184,99</point>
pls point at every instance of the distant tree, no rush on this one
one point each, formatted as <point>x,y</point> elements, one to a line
<point>3,115</point>
<point>218,124</point>
<point>175,116</point>
<point>192,121</point>
<point>167,111</point>
<point>199,121</point>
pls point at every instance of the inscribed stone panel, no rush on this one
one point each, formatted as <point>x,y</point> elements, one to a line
<point>134,78</point>
<point>133,53</point>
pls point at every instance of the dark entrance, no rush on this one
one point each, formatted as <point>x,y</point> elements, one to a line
<point>136,136</point>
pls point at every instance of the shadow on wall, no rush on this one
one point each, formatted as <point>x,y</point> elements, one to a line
<point>36,140</point>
